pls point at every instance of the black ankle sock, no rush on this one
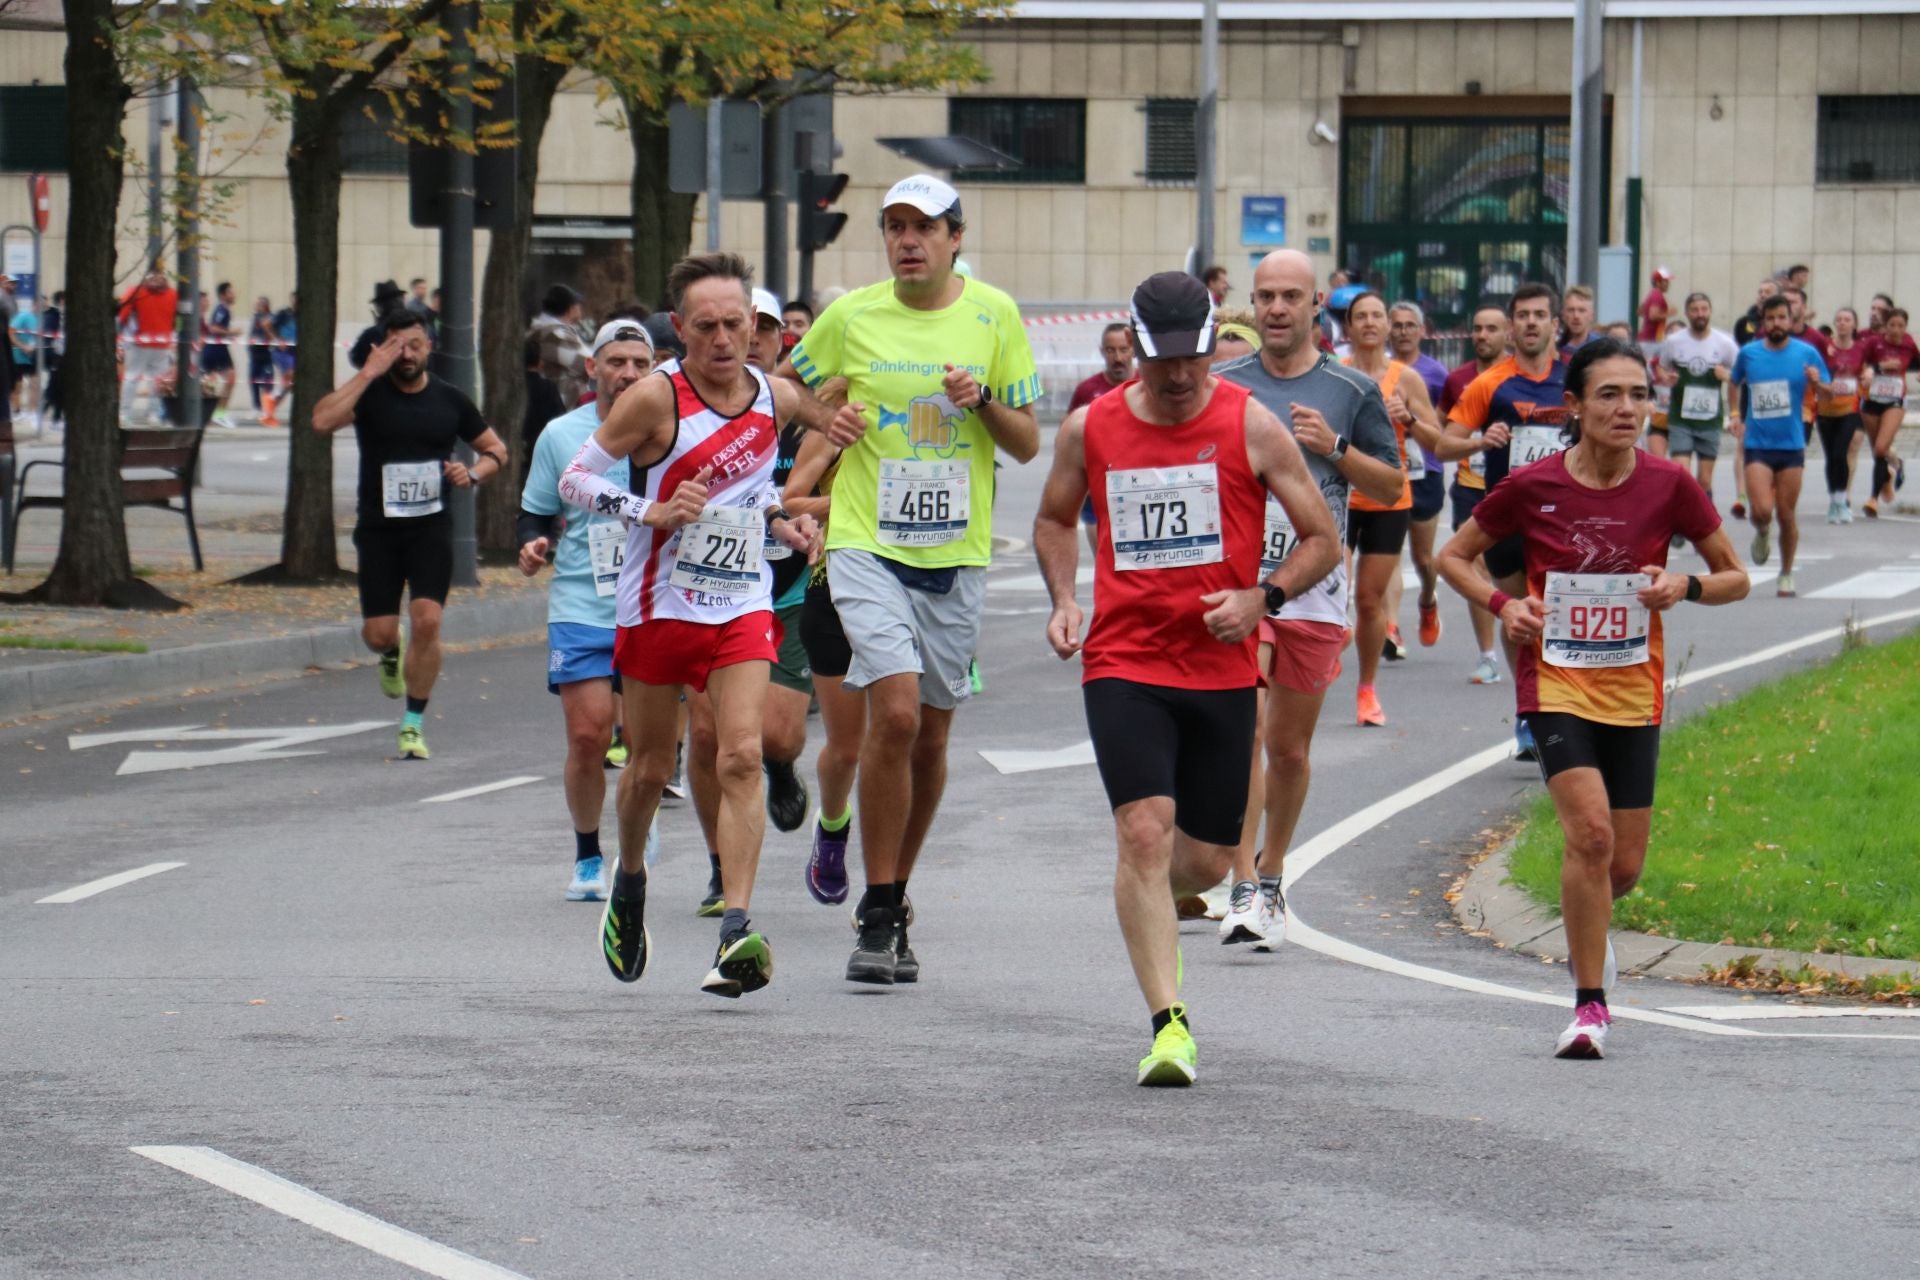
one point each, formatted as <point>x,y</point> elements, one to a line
<point>1162,1018</point>
<point>713,860</point>
<point>586,844</point>
<point>1589,995</point>
<point>878,896</point>
<point>732,925</point>
<point>393,653</point>
<point>416,705</point>
<point>897,894</point>
<point>629,884</point>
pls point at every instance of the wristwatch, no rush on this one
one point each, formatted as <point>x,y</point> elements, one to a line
<point>1338,451</point>
<point>1276,596</point>
<point>986,394</point>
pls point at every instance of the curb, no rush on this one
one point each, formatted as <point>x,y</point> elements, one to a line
<point>51,686</point>
<point>1490,907</point>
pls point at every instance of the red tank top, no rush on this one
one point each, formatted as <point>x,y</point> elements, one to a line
<point>1183,505</point>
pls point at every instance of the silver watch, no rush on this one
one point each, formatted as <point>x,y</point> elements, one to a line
<point>1338,451</point>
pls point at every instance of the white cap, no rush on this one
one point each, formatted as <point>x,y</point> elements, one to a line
<point>765,306</point>
<point>620,331</point>
<point>1665,273</point>
<point>926,193</point>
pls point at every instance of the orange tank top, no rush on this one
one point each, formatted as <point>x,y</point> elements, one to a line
<point>1359,501</point>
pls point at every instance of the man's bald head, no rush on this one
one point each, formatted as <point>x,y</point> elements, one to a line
<point>1284,302</point>
<point>1285,266</point>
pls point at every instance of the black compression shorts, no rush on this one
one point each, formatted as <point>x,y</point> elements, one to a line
<point>414,555</point>
<point>828,652</point>
<point>1378,533</point>
<point>1626,755</point>
<point>1507,557</point>
<point>1192,745</point>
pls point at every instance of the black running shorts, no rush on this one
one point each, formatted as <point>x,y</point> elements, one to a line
<point>411,555</point>
<point>1192,745</point>
<point>1507,557</point>
<point>828,652</point>
<point>1378,533</point>
<point>1429,495</point>
<point>1625,755</point>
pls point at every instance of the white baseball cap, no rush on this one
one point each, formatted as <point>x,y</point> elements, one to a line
<point>621,331</point>
<point>926,193</point>
<point>765,307</point>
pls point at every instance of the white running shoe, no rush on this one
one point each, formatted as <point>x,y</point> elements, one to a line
<point>1762,546</point>
<point>1216,899</point>
<point>589,882</point>
<point>1242,921</point>
<point>1270,919</point>
<point>1586,1035</point>
<point>1485,672</point>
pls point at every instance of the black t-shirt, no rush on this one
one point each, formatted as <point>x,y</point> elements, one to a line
<point>394,426</point>
<point>786,572</point>
<point>543,406</point>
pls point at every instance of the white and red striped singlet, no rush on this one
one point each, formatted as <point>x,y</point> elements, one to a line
<point>742,451</point>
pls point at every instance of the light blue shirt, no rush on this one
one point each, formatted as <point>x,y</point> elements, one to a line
<point>572,596</point>
<point>1773,387</point>
<point>27,325</point>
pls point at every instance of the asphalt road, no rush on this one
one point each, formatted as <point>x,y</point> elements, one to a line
<point>387,1003</point>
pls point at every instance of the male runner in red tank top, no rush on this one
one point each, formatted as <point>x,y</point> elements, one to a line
<point>1180,464</point>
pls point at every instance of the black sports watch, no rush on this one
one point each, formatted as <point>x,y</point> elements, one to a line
<point>1276,596</point>
<point>986,393</point>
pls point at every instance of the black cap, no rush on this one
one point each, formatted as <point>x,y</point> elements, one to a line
<point>387,290</point>
<point>1172,317</point>
<point>659,327</point>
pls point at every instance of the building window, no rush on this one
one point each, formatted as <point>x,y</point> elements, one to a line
<point>1048,136</point>
<point>33,128</point>
<point>1171,156</point>
<point>368,142</point>
<point>1868,137</point>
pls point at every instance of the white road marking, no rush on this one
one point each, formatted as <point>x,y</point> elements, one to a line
<point>254,744</point>
<point>294,1201</point>
<point>1883,583</point>
<point>1080,753</point>
<point>105,883</point>
<point>1034,582</point>
<point>1756,1012</point>
<point>502,785</point>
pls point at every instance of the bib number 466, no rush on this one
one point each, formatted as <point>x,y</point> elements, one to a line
<point>925,505</point>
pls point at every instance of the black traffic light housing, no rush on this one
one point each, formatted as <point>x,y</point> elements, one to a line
<point>818,225</point>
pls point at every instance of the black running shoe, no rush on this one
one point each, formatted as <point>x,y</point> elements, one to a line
<point>873,958</point>
<point>742,965</point>
<point>787,797</point>
<point>906,965</point>
<point>623,932</point>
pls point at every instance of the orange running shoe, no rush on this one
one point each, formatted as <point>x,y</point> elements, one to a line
<point>1430,624</point>
<point>1367,707</point>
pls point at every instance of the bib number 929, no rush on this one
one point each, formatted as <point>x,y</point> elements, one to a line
<point>1598,622</point>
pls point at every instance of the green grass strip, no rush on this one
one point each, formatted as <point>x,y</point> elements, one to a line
<point>65,645</point>
<point>1788,817</point>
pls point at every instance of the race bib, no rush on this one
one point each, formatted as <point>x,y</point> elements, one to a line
<point>1532,443</point>
<point>1662,397</point>
<point>720,552</point>
<point>1280,538</point>
<point>1699,403</point>
<point>923,504</point>
<point>1164,517</point>
<point>1595,620</point>
<point>1845,387</point>
<point>1887,388</point>
<point>409,489</point>
<point>1770,399</point>
<point>1416,462</point>
<point>607,548</point>
<point>1475,464</point>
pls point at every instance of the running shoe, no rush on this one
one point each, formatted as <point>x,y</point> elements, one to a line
<point>589,882</point>
<point>827,864</point>
<point>1190,906</point>
<point>677,784</point>
<point>618,755</point>
<point>1486,671</point>
<point>976,683</point>
<point>1367,707</point>
<point>1611,973</point>
<point>1430,624</point>
<point>740,966</point>
<point>715,903</point>
<point>1739,508</point>
<point>1833,508</point>
<point>1523,746</point>
<point>1393,649</point>
<point>1216,900</point>
<point>413,744</point>
<point>1586,1035</point>
<point>906,965</point>
<point>1846,510</point>
<point>1899,472</point>
<point>650,854</point>
<point>393,680</point>
<point>786,796</point>
<point>1871,508</point>
<point>1762,545</point>
<point>873,960</point>
<point>1271,919</point>
<point>1175,1056</point>
<point>624,940</point>
<point>1784,586</point>
<point>1241,923</point>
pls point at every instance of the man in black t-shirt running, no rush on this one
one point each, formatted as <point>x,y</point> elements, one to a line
<point>407,422</point>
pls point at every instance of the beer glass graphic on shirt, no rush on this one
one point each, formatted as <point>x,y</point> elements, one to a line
<point>930,421</point>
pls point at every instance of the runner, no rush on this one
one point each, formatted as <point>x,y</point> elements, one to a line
<point>939,377</point>
<point>1653,310</point>
<point>1377,531</point>
<point>586,552</point>
<point>1341,425</point>
<point>1406,326</point>
<point>1576,320</point>
<point>1595,523</point>
<point>1116,358</point>
<point>1890,356</point>
<point>1839,420</point>
<point>1488,334</point>
<point>1697,364</point>
<point>1183,462</point>
<point>695,592</point>
<point>1771,377</point>
<point>407,422</point>
<point>1513,413</point>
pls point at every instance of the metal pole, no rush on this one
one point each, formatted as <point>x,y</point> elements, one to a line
<point>456,269</point>
<point>1584,203</point>
<point>1634,196</point>
<point>186,381</point>
<point>40,329</point>
<point>154,221</point>
<point>715,151</point>
<point>776,170</point>
<point>1203,120</point>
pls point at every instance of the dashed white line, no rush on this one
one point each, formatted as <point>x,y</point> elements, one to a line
<point>297,1202</point>
<point>470,792</point>
<point>105,883</point>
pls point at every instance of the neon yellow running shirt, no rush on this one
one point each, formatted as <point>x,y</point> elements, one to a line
<point>918,486</point>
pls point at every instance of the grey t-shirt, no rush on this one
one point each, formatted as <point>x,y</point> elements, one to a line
<point>1351,404</point>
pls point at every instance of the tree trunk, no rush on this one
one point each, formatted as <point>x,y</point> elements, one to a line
<point>502,325</point>
<point>662,220</point>
<point>307,539</point>
<point>92,566</point>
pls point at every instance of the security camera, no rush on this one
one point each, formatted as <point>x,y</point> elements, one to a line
<point>1323,132</point>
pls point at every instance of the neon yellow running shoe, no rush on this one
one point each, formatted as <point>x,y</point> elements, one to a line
<point>413,744</point>
<point>740,966</point>
<point>617,755</point>
<point>1175,1056</point>
<point>393,680</point>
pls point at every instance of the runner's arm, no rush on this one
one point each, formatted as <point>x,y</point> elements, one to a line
<point>1277,460</point>
<point>1524,619</point>
<point>636,426</point>
<point>816,409</point>
<point>815,456</point>
<point>335,409</point>
<point>1725,582</point>
<point>491,448</point>
<point>1425,426</point>
<point>1056,532</point>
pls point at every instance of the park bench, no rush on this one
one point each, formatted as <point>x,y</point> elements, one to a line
<point>172,453</point>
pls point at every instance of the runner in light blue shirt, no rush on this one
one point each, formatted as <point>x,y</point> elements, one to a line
<point>1769,382</point>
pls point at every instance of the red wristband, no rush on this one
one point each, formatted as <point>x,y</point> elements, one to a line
<point>1497,601</point>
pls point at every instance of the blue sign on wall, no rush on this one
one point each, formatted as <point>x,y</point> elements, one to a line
<point>1263,220</point>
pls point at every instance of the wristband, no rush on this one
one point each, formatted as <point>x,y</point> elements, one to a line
<point>1498,601</point>
<point>1694,588</point>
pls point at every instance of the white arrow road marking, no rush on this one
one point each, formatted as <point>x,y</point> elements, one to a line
<point>255,744</point>
<point>502,785</point>
<point>1081,753</point>
<point>297,1202</point>
<point>1883,583</point>
<point>105,883</point>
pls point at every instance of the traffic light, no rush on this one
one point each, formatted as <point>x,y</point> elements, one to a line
<point>818,226</point>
